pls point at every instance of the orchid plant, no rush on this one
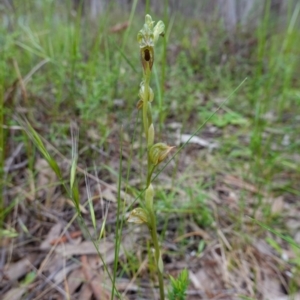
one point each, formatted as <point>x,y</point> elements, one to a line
<point>156,152</point>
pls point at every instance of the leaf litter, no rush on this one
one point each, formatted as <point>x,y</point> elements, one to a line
<point>226,269</point>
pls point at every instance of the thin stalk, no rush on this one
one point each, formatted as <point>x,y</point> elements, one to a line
<point>147,7</point>
<point>145,120</point>
<point>150,172</point>
<point>154,236</point>
<point>145,105</point>
<point>119,224</point>
<point>1,150</point>
<point>150,169</point>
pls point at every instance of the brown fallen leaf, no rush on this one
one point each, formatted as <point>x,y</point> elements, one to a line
<point>53,234</point>
<point>270,288</point>
<point>108,195</point>
<point>294,297</point>
<point>119,27</point>
<point>63,273</point>
<point>45,181</point>
<point>84,248</point>
<point>104,247</point>
<point>18,269</point>
<point>124,284</point>
<point>201,233</point>
<point>241,184</point>
<point>277,205</point>
<point>263,247</point>
<point>86,292</point>
<point>131,285</point>
<point>15,293</point>
<point>192,139</point>
<point>64,238</point>
<point>94,279</point>
<point>75,279</point>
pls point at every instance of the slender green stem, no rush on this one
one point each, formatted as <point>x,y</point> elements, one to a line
<point>150,172</point>
<point>1,151</point>
<point>145,120</point>
<point>119,224</point>
<point>154,236</point>
<point>150,167</point>
<point>145,105</point>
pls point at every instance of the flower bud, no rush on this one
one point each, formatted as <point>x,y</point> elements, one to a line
<point>159,152</point>
<point>142,93</point>
<point>160,264</point>
<point>138,216</point>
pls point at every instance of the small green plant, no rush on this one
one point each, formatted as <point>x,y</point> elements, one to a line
<point>179,286</point>
<point>156,153</point>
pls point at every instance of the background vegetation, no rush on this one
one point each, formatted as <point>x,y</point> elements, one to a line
<point>228,203</point>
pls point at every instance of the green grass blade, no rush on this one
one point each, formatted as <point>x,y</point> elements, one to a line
<point>35,138</point>
<point>284,237</point>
